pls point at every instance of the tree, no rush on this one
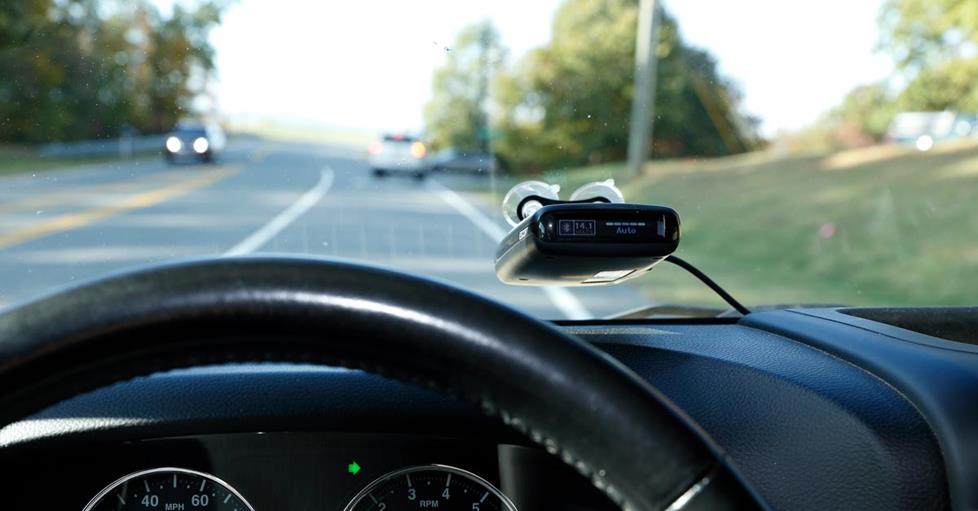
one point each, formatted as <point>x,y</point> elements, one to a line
<point>922,33</point>
<point>951,85</point>
<point>178,47</point>
<point>457,114</point>
<point>867,108</point>
<point>20,19</point>
<point>933,43</point>
<point>568,103</point>
<point>78,69</point>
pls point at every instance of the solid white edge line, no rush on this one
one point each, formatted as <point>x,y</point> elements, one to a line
<point>563,300</point>
<point>277,224</point>
<point>468,210</point>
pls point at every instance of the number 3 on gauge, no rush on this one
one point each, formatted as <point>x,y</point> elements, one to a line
<point>435,487</point>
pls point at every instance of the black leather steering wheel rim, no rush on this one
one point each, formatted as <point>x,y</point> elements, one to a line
<point>645,453</point>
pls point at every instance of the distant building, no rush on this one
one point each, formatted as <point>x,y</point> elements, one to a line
<point>925,129</point>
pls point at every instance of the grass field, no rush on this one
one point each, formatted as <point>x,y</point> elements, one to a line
<point>15,160</point>
<point>882,225</point>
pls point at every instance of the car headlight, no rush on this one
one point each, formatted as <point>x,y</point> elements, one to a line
<point>173,144</point>
<point>925,143</point>
<point>201,145</point>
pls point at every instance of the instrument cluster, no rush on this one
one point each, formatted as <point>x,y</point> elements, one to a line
<point>303,471</point>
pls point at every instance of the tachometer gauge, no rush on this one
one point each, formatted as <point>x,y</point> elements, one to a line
<point>430,487</point>
<point>168,489</point>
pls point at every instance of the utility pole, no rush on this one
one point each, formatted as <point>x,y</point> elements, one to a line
<point>643,100</point>
<point>482,99</point>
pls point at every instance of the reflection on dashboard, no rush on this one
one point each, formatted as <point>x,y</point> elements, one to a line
<point>430,487</point>
<point>170,489</point>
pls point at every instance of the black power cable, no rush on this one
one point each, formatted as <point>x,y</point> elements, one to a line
<point>678,261</point>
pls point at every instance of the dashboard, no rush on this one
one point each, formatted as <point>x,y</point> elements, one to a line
<point>819,409</point>
<point>301,471</point>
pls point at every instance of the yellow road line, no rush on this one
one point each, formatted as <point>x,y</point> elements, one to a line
<point>50,199</point>
<point>142,200</point>
<point>55,198</point>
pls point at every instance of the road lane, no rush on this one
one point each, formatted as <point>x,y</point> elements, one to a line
<point>561,298</point>
<point>402,224</point>
<point>282,198</point>
<point>405,224</point>
<point>39,227</point>
<point>205,221</point>
<point>274,226</point>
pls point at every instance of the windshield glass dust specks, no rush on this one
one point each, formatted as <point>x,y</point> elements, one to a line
<point>816,152</point>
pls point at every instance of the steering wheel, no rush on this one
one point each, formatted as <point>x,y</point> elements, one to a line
<point>577,402</point>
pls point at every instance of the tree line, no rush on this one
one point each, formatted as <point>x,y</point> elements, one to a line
<point>83,69</point>
<point>568,103</point>
<point>934,44</point>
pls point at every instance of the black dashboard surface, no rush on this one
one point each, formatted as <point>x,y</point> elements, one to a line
<point>809,428</point>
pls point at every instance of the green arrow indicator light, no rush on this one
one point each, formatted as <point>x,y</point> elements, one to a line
<point>353,468</point>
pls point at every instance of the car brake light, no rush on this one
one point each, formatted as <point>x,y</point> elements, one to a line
<point>417,150</point>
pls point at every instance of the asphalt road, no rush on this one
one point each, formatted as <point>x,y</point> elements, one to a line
<point>61,227</point>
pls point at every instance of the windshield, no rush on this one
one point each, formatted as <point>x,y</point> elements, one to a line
<point>817,152</point>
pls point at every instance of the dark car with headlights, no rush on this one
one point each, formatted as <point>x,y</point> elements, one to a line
<point>194,141</point>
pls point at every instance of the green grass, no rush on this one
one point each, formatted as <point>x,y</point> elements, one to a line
<point>881,226</point>
<point>15,160</point>
<point>876,226</point>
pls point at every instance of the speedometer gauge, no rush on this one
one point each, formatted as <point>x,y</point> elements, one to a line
<point>430,487</point>
<point>174,489</point>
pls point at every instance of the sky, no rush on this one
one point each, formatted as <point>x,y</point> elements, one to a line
<point>793,59</point>
<point>367,64</point>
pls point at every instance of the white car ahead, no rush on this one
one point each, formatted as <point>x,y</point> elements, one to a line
<point>398,154</point>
